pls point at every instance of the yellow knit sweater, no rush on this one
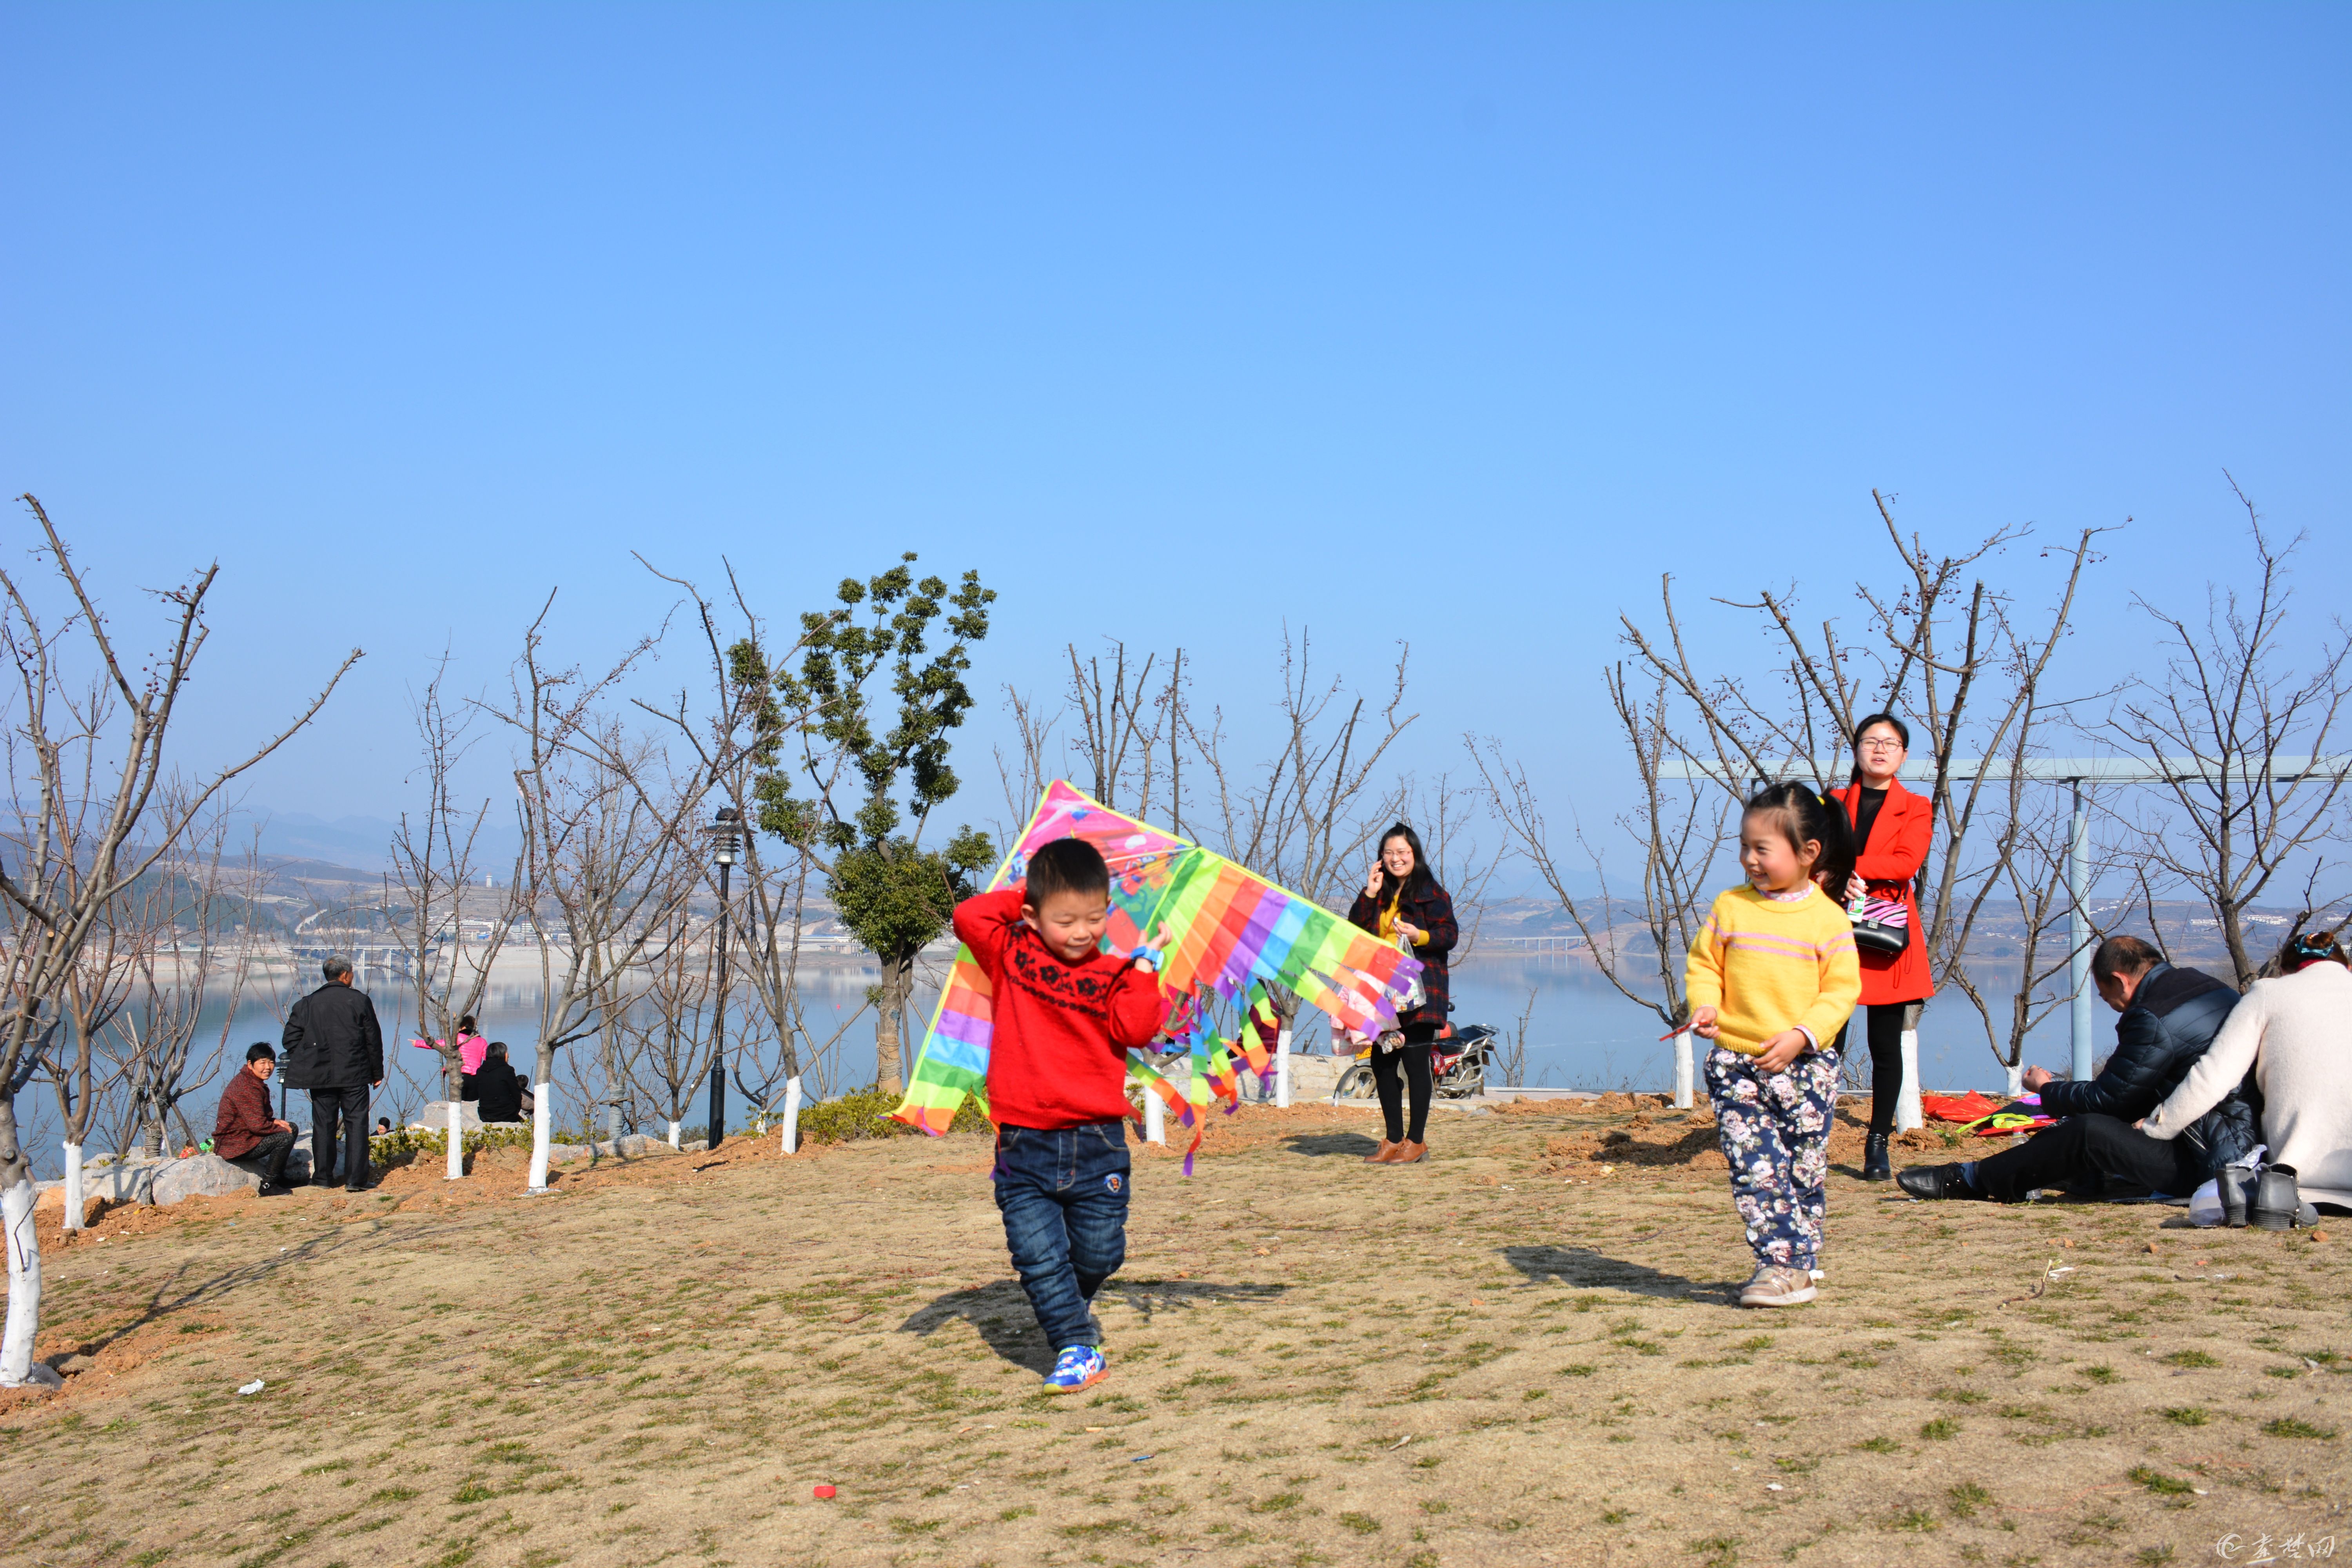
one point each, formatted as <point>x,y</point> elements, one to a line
<point>1765,966</point>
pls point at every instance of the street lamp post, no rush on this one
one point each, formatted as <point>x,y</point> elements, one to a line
<point>726,832</point>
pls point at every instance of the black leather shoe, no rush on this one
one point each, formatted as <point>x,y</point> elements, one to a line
<point>1936,1181</point>
<point>1875,1164</point>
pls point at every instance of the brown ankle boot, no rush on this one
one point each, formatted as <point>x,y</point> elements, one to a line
<point>1381,1155</point>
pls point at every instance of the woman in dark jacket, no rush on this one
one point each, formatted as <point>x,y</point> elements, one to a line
<point>1892,830</point>
<point>1401,898</point>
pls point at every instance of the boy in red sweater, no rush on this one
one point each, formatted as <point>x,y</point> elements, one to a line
<point>1066,1013</point>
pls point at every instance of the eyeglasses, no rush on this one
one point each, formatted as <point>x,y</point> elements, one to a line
<point>1881,744</point>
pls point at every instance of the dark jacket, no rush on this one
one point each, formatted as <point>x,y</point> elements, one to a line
<point>244,1118</point>
<point>332,1040</point>
<point>1432,912</point>
<point>497,1092</point>
<point>2173,1017</point>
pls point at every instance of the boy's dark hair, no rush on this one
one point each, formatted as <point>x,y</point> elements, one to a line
<point>2121,956</point>
<point>1805,815</point>
<point>259,1051</point>
<point>495,1051</point>
<point>1066,865</point>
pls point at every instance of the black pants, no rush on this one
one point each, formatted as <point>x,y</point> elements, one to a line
<point>1410,1064</point>
<point>267,1159</point>
<point>1885,1033</point>
<point>351,1107</point>
<point>2084,1146</point>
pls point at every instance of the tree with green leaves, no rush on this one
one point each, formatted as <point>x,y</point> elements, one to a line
<point>893,896</point>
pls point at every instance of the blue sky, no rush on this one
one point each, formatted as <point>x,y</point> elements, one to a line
<point>1454,323</point>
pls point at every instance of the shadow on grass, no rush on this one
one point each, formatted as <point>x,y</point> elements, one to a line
<point>1354,1144</point>
<point>1583,1268</point>
<point>999,1311</point>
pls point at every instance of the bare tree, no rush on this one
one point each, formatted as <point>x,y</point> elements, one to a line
<point>86,766</point>
<point>97,986</point>
<point>604,822</point>
<point>1676,830</point>
<point>2259,791</point>
<point>439,855</point>
<point>196,941</point>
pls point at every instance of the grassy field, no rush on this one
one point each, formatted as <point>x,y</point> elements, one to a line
<point>1523,1351</point>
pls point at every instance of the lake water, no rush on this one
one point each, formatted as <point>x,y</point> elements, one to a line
<point>1581,1034</point>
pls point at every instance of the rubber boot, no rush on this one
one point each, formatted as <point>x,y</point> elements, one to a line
<point>2236,1182</point>
<point>2275,1198</point>
<point>1875,1164</point>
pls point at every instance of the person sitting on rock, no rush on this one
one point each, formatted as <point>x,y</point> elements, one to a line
<point>245,1133</point>
<point>497,1089</point>
<point>2169,1019</point>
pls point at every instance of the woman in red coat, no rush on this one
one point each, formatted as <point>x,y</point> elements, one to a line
<point>1892,830</point>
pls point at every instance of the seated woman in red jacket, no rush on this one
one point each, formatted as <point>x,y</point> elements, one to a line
<point>244,1133</point>
<point>1892,830</point>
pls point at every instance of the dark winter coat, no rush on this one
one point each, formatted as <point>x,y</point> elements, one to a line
<point>497,1092</point>
<point>1432,912</point>
<point>2173,1017</point>
<point>244,1118</point>
<point>332,1040</point>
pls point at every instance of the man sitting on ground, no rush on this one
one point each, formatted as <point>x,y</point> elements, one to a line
<point>2169,1018</point>
<point>245,1133</point>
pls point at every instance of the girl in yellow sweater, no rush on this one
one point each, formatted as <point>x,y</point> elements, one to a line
<point>1770,978</point>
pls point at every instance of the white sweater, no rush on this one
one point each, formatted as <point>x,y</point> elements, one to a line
<point>2295,1032</point>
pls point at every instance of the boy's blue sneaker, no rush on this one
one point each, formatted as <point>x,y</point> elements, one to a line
<point>1080,1366</point>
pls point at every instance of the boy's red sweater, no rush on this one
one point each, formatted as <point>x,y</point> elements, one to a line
<point>1057,1057</point>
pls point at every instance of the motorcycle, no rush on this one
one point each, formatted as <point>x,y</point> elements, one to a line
<point>1457,1061</point>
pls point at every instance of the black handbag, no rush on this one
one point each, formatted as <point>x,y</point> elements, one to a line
<point>1873,932</point>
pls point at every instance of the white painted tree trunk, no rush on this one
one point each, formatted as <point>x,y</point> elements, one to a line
<point>2017,1079</point>
<point>456,1172</point>
<point>16,1368</point>
<point>1907,1114</point>
<point>74,1205</point>
<point>1686,1071</point>
<point>1155,1117</point>
<point>792,1135</point>
<point>673,1134</point>
<point>1282,1070</point>
<point>543,1102</point>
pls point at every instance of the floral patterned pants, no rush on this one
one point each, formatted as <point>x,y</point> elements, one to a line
<point>1774,1131</point>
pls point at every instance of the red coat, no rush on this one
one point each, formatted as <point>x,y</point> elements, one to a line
<point>1898,846</point>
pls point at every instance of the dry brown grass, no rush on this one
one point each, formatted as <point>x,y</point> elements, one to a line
<point>1520,1353</point>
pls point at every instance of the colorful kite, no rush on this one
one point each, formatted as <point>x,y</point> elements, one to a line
<point>1221,931</point>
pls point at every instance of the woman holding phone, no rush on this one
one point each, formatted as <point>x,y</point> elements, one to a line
<point>1891,831</point>
<point>1402,900</point>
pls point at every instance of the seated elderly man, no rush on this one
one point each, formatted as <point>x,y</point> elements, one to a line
<point>2169,1018</point>
<point>245,1133</point>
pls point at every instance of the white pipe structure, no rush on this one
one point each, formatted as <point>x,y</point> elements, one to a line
<point>1686,1071</point>
<point>2073,772</point>
<point>1282,1070</point>
<point>73,1201</point>
<point>1155,1117</point>
<point>456,1170</point>
<point>792,1133</point>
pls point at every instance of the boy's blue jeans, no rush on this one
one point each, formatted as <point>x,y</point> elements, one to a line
<point>1063,1198</point>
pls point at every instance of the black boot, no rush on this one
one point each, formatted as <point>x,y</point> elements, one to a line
<point>1875,1166</point>
<point>2275,1198</point>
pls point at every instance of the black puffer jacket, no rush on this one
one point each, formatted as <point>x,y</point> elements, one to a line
<point>2173,1017</point>
<point>332,1040</point>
